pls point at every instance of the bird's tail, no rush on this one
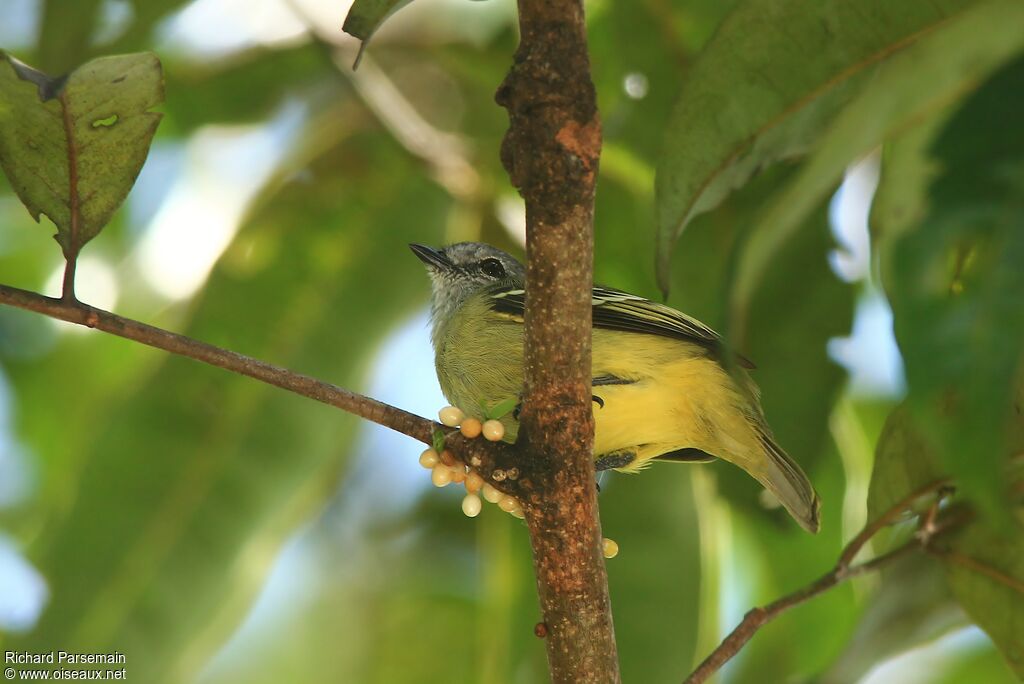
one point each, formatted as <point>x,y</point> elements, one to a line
<point>785,479</point>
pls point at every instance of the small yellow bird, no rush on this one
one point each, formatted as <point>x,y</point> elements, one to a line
<point>660,390</point>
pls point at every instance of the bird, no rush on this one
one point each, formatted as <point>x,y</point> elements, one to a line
<point>661,387</point>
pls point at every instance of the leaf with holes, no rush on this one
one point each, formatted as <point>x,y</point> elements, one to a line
<point>72,146</point>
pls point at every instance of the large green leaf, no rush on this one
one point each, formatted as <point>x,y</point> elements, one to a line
<point>765,87</point>
<point>956,287</point>
<point>926,76</point>
<point>73,146</point>
<point>984,564</point>
<point>199,470</point>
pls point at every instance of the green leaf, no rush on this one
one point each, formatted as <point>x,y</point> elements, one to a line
<point>766,86</point>
<point>956,289</point>
<point>366,16</point>
<point>922,78</point>
<point>985,570</point>
<point>73,146</point>
<point>438,440</point>
<point>192,480</point>
<point>905,462</point>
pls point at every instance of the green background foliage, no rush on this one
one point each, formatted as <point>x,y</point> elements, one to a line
<point>216,530</point>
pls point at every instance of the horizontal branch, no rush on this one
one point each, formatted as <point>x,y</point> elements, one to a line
<point>484,457</point>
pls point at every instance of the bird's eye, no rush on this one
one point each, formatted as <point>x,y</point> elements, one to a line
<point>493,268</point>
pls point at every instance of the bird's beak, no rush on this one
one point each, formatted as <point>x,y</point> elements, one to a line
<point>433,258</point>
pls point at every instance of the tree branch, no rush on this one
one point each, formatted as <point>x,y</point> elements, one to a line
<point>551,153</point>
<point>843,570</point>
<point>482,456</point>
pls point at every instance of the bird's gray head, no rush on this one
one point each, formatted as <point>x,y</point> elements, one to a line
<point>460,270</point>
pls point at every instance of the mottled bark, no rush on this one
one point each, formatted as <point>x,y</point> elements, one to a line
<point>551,153</point>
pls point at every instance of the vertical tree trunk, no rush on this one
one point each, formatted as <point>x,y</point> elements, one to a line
<point>551,152</point>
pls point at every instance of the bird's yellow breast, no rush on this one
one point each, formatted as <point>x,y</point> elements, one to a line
<point>677,396</point>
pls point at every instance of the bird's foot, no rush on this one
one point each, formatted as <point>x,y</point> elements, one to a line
<point>619,459</point>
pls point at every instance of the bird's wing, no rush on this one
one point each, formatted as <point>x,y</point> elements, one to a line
<point>618,310</point>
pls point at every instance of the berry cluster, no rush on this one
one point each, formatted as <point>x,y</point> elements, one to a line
<point>445,469</point>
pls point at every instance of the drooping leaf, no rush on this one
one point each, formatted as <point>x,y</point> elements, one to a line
<point>72,146</point>
<point>765,87</point>
<point>923,77</point>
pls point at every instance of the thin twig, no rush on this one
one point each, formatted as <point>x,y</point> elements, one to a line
<point>759,617</point>
<point>72,243</point>
<point>871,529</point>
<point>843,570</point>
<point>83,314</point>
<point>483,456</point>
